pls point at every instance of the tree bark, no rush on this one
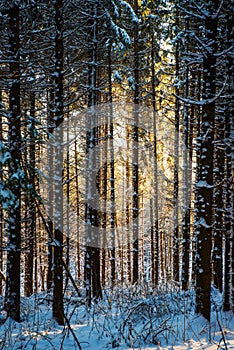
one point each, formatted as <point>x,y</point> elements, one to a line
<point>204,205</point>
<point>176,257</point>
<point>58,309</point>
<point>154,202</point>
<point>12,298</point>
<point>229,195</point>
<point>1,209</point>
<point>30,235</point>
<point>92,253</point>
<point>135,170</point>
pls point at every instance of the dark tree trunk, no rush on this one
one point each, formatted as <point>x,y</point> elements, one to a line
<point>50,156</point>
<point>186,184</point>
<point>228,275</point>
<point>176,258</point>
<point>1,209</point>
<point>229,190</point>
<point>78,251</point>
<point>95,272</point>
<point>67,224</point>
<point>219,174</point>
<point>198,136</point>
<point>58,311</point>
<point>92,253</point>
<point>30,235</point>
<point>135,170</point>
<point>112,172</point>
<point>12,298</point>
<point>204,205</point>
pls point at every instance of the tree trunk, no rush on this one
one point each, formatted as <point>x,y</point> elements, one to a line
<point>154,202</point>
<point>112,173</point>
<point>78,251</point>
<point>186,184</point>
<point>229,195</point>
<point>1,209</point>
<point>219,174</point>
<point>176,258</point>
<point>30,235</point>
<point>58,311</point>
<point>67,225</point>
<point>92,253</point>
<point>204,205</point>
<point>135,170</point>
<point>50,189</point>
<point>12,298</point>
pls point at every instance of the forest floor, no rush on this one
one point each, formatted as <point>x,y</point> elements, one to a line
<point>124,319</point>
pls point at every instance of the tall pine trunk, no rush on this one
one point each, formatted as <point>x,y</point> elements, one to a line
<point>58,311</point>
<point>112,172</point>
<point>176,257</point>
<point>154,201</point>
<point>1,209</point>
<point>186,181</point>
<point>12,298</point>
<point>229,195</point>
<point>92,253</point>
<point>30,235</point>
<point>50,156</point>
<point>135,170</point>
<point>204,204</point>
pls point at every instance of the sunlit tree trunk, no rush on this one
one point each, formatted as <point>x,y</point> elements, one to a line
<point>154,202</point>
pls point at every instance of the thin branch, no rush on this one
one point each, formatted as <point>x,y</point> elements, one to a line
<point>204,15</point>
<point>72,332</point>
<point>221,329</point>
<point>203,102</point>
<point>189,13</point>
<point>71,278</point>
<point>218,11</point>
<point>203,45</point>
<point>225,51</point>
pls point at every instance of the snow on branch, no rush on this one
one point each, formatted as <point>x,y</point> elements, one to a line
<point>120,33</point>
<point>203,102</point>
<point>192,14</point>
<point>218,11</point>
<point>204,14</point>
<point>129,9</point>
<point>204,184</point>
<point>204,46</point>
<point>202,222</point>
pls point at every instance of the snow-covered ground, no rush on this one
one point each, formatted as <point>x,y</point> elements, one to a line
<point>124,319</point>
